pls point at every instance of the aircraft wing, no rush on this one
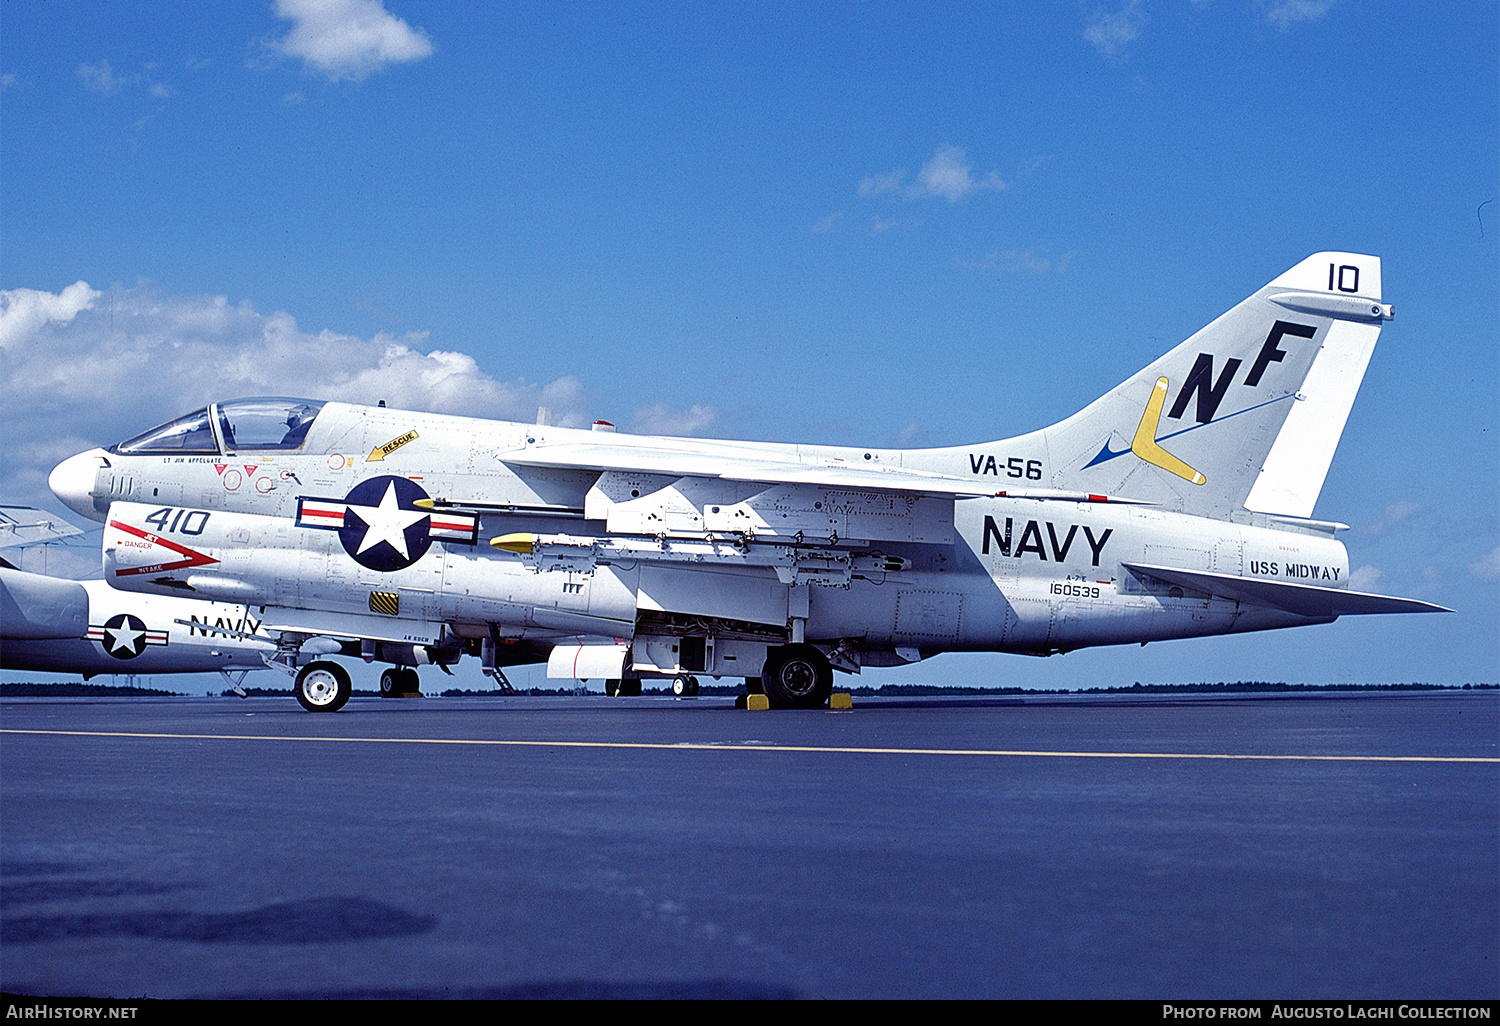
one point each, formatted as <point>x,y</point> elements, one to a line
<point>756,469</point>
<point>27,525</point>
<point>1303,599</point>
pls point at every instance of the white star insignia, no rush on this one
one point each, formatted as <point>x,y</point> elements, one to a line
<point>387,522</point>
<point>123,637</point>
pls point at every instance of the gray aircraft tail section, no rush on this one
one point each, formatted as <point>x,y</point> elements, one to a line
<point>1245,414</point>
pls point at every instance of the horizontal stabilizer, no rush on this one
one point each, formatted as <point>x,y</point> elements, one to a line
<point>1302,599</point>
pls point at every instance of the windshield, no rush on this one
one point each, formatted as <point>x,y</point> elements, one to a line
<point>272,422</point>
<point>268,423</point>
<point>190,433</point>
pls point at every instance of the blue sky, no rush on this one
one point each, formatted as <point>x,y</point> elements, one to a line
<point>894,224</point>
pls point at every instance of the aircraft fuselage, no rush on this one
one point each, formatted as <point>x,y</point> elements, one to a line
<point>90,628</point>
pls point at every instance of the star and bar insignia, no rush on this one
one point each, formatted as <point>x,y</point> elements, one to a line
<point>387,523</point>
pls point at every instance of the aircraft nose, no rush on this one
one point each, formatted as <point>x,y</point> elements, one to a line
<point>72,481</point>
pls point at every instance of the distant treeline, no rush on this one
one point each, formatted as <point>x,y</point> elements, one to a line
<point>25,689</point>
<point>77,689</point>
<point>925,690</point>
<point>1141,689</point>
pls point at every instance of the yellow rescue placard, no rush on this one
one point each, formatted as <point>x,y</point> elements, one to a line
<point>380,452</point>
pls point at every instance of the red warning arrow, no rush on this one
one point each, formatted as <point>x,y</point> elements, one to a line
<point>192,558</point>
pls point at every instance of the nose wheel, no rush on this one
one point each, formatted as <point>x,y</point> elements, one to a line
<point>323,686</point>
<point>685,685</point>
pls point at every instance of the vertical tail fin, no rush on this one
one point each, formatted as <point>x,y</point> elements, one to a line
<point>1246,413</point>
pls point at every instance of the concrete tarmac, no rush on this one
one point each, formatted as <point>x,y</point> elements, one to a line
<point>1283,846</point>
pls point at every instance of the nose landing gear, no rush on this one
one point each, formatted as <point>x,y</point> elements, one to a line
<point>323,686</point>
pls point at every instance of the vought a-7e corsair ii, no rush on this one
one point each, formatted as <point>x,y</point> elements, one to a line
<point>1177,505</point>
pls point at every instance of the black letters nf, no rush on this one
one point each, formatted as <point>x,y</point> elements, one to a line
<point>1269,352</point>
<point>1200,381</point>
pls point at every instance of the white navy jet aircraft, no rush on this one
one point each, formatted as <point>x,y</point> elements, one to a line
<point>1176,505</point>
<point>87,627</point>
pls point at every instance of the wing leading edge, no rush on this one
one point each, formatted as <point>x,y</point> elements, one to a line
<point>685,463</point>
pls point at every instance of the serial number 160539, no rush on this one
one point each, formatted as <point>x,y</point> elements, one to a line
<point>1074,589</point>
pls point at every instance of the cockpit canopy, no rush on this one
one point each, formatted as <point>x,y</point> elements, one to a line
<point>266,423</point>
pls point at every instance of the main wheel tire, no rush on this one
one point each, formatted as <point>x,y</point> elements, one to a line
<point>409,681</point>
<point>630,687</point>
<point>684,685</point>
<point>323,686</point>
<point>797,677</point>
<point>390,686</point>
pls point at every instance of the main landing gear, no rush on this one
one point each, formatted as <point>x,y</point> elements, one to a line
<point>398,681</point>
<point>685,685</point>
<point>797,677</point>
<point>323,686</point>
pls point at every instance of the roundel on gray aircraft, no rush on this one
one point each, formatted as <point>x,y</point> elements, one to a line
<point>124,636</point>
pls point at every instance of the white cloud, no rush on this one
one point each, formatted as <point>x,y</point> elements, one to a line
<point>82,367</point>
<point>1364,578</point>
<point>1487,567</point>
<point>1023,260</point>
<point>875,185</point>
<point>23,312</point>
<point>349,39</point>
<point>826,224</point>
<point>1283,13</point>
<point>661,419</point>
<point>948,175</point>
<point>1395,513</point>
<point>101,78</point>
<point>1111,33</point>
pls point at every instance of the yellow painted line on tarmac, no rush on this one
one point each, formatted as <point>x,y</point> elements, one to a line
<point>734,747</point>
